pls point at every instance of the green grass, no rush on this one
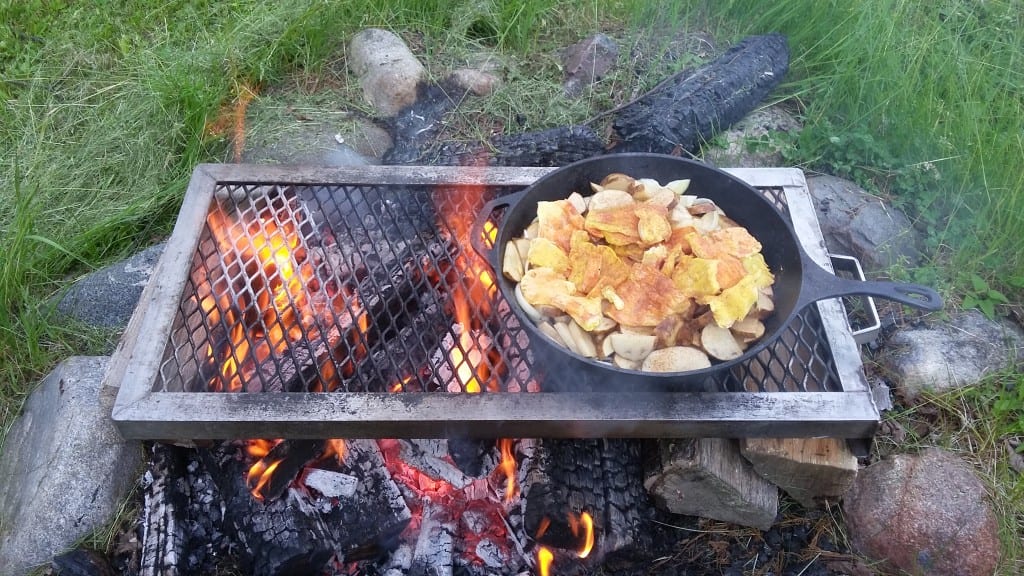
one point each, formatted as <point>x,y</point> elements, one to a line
<point>107,108</point>
<point>923,101</point>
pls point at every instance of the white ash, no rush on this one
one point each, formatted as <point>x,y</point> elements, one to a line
<point>331,484</point>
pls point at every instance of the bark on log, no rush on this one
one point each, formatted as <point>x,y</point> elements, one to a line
<point>697,104</point>
<point>553,147</point>
<point>707,477</point>
<point>598,476</point>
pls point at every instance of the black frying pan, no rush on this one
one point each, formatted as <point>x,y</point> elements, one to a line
<point>799,281</point>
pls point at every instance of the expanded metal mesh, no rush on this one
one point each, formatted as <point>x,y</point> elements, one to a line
<point>322,288</point>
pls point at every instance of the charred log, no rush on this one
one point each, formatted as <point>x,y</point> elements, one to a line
<point>696,104</point>
<point>165,503</point>
<point>566,478</point>
<point>469,454</point>
<point>553,147</point>
<point>82,563</point>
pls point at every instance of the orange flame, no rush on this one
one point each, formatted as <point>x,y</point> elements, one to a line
<point>261,471</point>
<point>508,468</point>
<point>544,560</point>
<point>337,448</point>
<point>467,356</point>
<point>583,523</point>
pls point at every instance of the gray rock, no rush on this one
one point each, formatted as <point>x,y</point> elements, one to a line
<point>588,61</point>
<point>952,354</point>
<point>479,82</point>
<point>923,514</point>
<point>753,142</point>
<point>65,470</point>
<point>857,223</point>
<point>107,297</point>
<point>388,71</point>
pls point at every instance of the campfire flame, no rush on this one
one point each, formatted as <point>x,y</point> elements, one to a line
<point>508,468</point>
<point>262,470</point>
<point>544,560</point>
<point>582,527</point>
<point>469,356</point>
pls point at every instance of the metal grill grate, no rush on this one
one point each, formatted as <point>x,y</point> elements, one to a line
<point>291,284</point>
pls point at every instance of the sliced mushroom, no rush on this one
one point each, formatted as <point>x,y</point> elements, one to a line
<point>606,349</point>
<point>512,264</point>
<point>633,347</point>
<point>642,189</point>
<point>617,181</point>
<point>548,330</point>
<point>678,186</point>
<point>748,329</point>
<point>662,197</point>
<point>577,202</point>
<point>625,363</point>
<point>607,199</point>
<point>528,308</point>
<point>584,343</point>
<point>676,359</point>
<point>719,342</point>
<point>563,332</point>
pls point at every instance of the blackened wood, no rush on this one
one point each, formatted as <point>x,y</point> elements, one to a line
<point>82,563</point>
<point>468,453</point>
<point>165,507</point>
<point>275,537</point>
<point>552,147</point>
<point>599,476</point>
<point>367,524</point>
<point>292,456</point>
<point>697,104</point>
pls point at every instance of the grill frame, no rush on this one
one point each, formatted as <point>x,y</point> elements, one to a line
<point>144,413</point>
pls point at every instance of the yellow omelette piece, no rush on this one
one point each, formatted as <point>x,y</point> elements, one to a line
<point>734,303</point>
<point>546,254</point>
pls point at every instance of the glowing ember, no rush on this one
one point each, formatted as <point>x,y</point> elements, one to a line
<point>508,468</point>
<point>544,560</point>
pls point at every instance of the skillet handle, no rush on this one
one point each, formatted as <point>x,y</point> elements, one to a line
<point>477,234</point>
<point>819,284</point>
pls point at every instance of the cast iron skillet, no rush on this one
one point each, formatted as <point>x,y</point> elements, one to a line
<point>799,281</point>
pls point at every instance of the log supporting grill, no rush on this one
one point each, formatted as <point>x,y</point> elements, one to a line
<point>347,303</point>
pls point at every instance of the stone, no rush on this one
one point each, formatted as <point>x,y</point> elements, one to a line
<point>107,297</point>
<point>923,514</point>
<point>478,82</point>
<point>859,224</point>
<point>754,141</point>
<point>388,71</point>
<point>951,354</point>
<point>588,61</point>
<point>65,471</point>
<point>708,477</point>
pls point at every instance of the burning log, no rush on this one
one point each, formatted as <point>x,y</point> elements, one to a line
<point>181,526</point>
<point>301,531</point>
<point>694,105</point>
<point>165,500</point>
<point>566,479</point>
<point>432,555</point>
